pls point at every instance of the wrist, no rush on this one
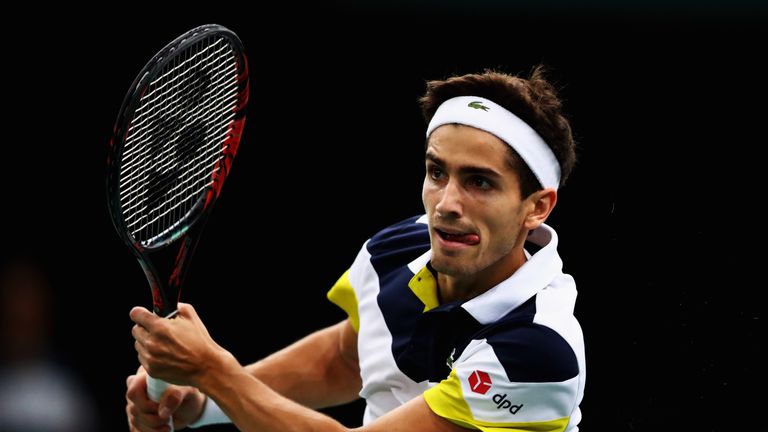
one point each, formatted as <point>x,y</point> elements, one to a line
<point>211,414</point>
<point>215,371</point>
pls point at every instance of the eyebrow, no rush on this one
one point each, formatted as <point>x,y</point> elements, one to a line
<point>465,169</point>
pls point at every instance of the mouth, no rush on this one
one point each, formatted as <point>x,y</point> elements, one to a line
<point>454,238</point>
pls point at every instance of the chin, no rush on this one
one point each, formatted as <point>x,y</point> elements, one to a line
<point>450,267</point>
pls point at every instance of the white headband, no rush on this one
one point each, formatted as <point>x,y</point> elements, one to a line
<point>485,115</point>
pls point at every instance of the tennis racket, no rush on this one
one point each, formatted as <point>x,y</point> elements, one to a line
<point>174,141</point>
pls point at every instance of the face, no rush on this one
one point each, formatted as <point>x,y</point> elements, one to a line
<point>472,198</point>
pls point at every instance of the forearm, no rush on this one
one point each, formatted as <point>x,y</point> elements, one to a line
<point>312,371</point>
<point>253,406</point>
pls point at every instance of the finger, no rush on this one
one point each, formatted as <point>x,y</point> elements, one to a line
<point>147,421</point>
<point>150,422</point>
<point>143,357</point>
<point>144,422</point>
<point>136,395</point>
<point>143,317</point>
<point>139,333</point>
<point>128,407</point>
<point>186,310</point>
<point>189,313</point>
<point>170,402</point>
<point>140,410</point>
<point>140,350</point>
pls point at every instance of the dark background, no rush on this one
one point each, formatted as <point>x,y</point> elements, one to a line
<point>667,103</point>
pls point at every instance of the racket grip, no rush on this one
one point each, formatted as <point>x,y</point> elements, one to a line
<point>155,389</point>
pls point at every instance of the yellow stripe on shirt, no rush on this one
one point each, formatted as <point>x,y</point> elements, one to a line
<point>424,285</point>
<point>343,295</point>
<point>446,399</point>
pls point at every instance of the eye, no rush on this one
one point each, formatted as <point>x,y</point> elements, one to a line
<point>435,173</point>
<point>481,182</point>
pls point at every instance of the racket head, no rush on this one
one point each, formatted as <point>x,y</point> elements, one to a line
<point>174,140</point>
<point>175,137</point>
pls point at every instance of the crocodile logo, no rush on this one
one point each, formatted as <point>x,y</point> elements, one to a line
<point>449,361</point>
<point>478,105</point>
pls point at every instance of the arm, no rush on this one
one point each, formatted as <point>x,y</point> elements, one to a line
<point>332,378</point>
<point>181,351</point>
<point>254,407</point>
<point>318,371</point>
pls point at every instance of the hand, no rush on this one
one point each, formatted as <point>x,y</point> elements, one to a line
<point>184,404</point>
<point>178,350</point>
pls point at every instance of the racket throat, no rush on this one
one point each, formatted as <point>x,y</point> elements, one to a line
<point>166,271</point>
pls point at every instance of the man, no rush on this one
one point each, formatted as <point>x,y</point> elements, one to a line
<point>453,324</point>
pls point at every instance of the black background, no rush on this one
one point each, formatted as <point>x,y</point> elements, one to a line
<point>667,103</point>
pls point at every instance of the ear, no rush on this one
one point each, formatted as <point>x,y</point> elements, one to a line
<point>541,203</point>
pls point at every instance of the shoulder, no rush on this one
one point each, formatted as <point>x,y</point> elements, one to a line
<point>411,230</point>
<point>523,374</point>
<point>410,236</point>
<point>392,248</point>
<point>528,344</point>
<point>532,352</point>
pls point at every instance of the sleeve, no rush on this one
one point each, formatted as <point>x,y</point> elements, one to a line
<point>480,394</point>
<point>343,295</point>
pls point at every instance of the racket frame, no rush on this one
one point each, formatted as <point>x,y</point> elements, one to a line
<point>165,295</point>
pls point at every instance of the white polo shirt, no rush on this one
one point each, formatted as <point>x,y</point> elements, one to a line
<point>511,358</point>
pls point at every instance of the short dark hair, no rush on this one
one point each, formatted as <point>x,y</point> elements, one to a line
<point>533,99</point>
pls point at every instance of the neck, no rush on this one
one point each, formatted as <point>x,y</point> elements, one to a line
<point>464,287</point>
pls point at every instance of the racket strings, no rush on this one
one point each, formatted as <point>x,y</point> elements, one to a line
<point>178,77</point>
<point>175,140</point>
<point>193,134</point>
<point>137,141</point>
<point>181,87</point>
<point>174,136</point>
<point>168,162</point>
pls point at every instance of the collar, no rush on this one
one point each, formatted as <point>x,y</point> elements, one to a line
<point>540,269</point>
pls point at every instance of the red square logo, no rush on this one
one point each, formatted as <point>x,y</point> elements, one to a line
<point>480,382</point>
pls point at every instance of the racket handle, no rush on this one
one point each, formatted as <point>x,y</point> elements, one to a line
<point>155,389</point>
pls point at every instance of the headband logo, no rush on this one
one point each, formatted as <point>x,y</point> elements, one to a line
<point>478,105</point>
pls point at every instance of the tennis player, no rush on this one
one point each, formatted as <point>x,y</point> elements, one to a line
<point>458,319</point>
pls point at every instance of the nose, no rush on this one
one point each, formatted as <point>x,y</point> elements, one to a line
<point>450,205</point>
